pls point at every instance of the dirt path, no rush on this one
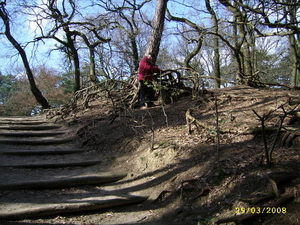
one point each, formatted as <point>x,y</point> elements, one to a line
<point>39,161</point>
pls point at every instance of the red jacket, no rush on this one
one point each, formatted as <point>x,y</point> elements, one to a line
<point>147,69</point>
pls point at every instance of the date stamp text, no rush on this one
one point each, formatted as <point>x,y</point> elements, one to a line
<point>260,210</point>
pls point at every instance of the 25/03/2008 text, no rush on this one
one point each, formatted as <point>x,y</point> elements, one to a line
<point>260,210</point>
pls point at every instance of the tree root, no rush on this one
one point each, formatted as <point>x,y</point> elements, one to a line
<point>192,120</point>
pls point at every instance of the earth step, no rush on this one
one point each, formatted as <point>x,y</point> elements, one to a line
<point>31,134</point>
<point>68,204</point>
<point>41,151</point>
<point>54,164</point>
<point>22,122</point>
<point>37,141</point>
<point>22,118</point>
<point>29,127</point>
<point>62,182</point>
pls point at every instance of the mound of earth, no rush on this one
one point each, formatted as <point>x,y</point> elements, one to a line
<point>200,160</point>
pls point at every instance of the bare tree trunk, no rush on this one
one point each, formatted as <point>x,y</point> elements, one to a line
<point>217,69</point>
<point>295,47</point>
<point>69,43</point>
<point>34,89</point>
<point>295,53</point>
<point>242,51</point>
<point>91,46</point>
<point>93,77</point>
<point>158,27</point>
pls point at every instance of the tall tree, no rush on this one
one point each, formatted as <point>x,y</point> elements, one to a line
<point>63,19</point>
<point>281,17</point>
<point>91,46</point>
<point>216,45</point>
<point>241,44</point>
<point>34,89</point>
<point>292,9</point>
<point>126,14</point>
<point>61,13</point>
<point>158,27</point>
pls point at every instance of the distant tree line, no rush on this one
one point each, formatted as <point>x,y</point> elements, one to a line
<point>243,42</point>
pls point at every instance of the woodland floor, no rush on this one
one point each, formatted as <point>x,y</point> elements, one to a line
<point>179,171</point>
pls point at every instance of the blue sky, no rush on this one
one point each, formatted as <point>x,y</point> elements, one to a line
<point>24,31</point>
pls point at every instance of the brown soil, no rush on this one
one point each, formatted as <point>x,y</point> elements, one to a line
<point>180,172</point>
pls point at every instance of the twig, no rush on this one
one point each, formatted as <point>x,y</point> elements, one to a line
<point>277,132</point>
<point>218,131</point>
<point>152,132</point>
<point>262,120</point>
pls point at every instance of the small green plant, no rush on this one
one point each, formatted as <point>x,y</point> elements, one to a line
<point>142,158</point>
<point>205,221</point>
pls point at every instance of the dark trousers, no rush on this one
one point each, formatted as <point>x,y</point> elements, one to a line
<point>147,92</point>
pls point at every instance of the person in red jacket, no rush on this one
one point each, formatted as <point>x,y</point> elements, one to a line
<point>147,69</point>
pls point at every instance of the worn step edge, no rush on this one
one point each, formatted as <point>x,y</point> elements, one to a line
<point>22,118</point>
<point>54,164</point>
<point>22,122</point>
<point>31,134</point>
<point>29,127</point>
<point>40,141</point>
<point>58,209</point>
<point>63,182</point>
<point>42,152</point>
